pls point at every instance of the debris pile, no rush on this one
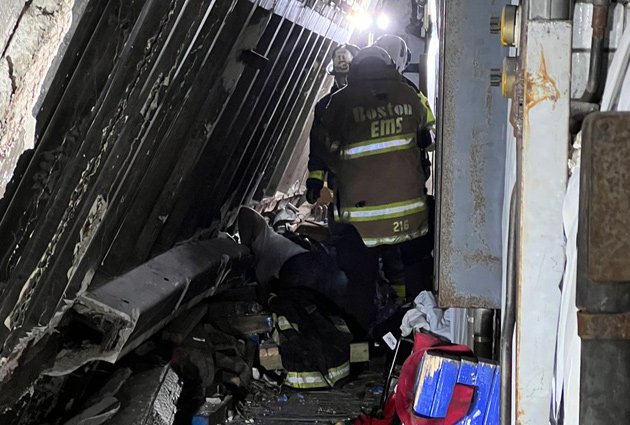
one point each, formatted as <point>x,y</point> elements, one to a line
<point>236,329</point>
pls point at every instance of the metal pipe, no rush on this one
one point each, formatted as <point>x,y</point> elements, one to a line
<point>496,347</point>
<point>592,92</point>
<point>483,332</point>
<point>470,328</point>
<point>579,111</point>
<point>389,375</point>
<point>507,332</point>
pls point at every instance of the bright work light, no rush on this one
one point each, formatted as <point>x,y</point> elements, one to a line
<point>382,21</point>
<point>361,19</point>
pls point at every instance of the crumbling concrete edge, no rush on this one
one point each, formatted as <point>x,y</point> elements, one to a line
<point>35,38</point>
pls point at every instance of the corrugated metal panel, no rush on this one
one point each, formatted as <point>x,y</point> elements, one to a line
<point>159,123</point>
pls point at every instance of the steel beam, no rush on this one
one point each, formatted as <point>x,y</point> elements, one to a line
<point>110,320</point>
<point>542,179</point>
<point>130,309</point>
<point>470,158</point>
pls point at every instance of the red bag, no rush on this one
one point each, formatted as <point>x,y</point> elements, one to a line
<point>401,401</point>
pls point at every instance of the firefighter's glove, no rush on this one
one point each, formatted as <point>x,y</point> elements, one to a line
<point>313,188</point>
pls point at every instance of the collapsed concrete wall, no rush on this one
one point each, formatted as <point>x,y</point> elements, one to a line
<point>32,35</point>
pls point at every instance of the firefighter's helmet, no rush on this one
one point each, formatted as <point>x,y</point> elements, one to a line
<point>396,48</point>
<point>372,54</point>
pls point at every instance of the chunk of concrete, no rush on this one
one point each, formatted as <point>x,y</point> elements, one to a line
<point>149,398</point>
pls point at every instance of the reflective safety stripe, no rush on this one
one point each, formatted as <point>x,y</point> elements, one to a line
<point>300,380</point>
<point>378,146</point>
<point>400,289</point>
<point>391,240</point>
<point>315,379</point>
<point>339,372</point>
<point>284,324</point>
<point>384,211</point>
<point>317,175</point>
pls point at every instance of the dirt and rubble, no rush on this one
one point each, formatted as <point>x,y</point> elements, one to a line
<point>216,362</point>
<point>199,339</point>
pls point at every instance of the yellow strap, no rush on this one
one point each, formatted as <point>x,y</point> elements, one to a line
<point>425,103</point>
<point>317,174</point>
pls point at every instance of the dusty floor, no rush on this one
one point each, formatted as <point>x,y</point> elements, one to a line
<point>271,407</point>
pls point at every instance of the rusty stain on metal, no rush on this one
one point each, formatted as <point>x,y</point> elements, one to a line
<point>600,19</point>
<point>540,86</point>
<point>604,326</point>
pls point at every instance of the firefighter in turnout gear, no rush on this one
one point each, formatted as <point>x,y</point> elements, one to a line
<point>372,129</point>
<point>318,170</point>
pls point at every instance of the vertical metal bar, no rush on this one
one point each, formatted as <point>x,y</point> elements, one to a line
<point>542,153</point>
<point>484,332</point>
<point>471,158</point>
<point>295,80</point>
<point>507,332</point>
<point>594,84</point>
